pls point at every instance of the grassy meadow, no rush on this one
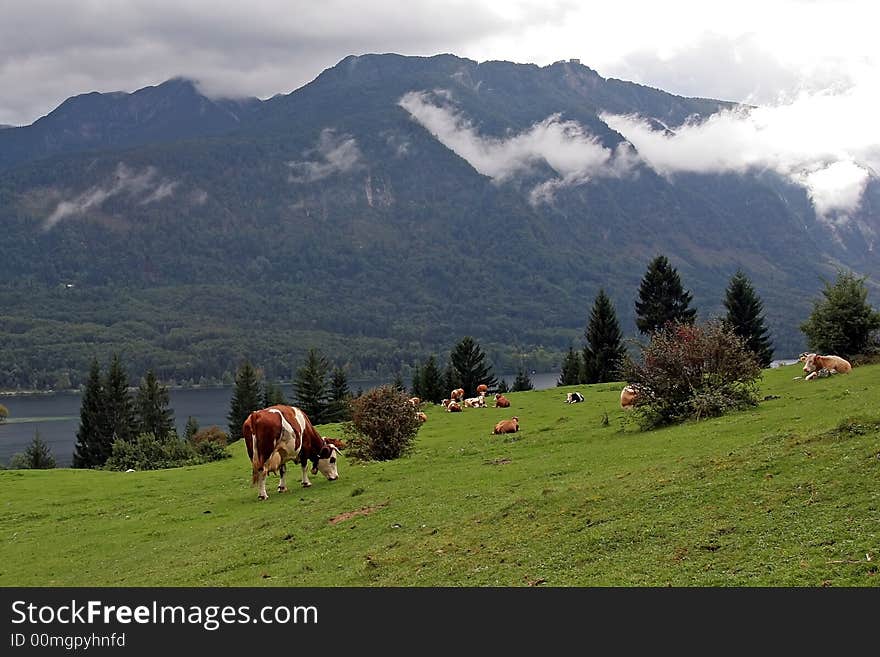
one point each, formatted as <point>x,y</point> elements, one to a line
<point>786,494</point>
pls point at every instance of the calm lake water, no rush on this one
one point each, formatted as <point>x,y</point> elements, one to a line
<point>56,415</point>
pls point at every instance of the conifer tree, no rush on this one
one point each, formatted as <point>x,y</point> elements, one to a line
<point>119,414</point>
<point>273,395</point>
<point>662,298</point>
<point>469,363</point>
<point>246,398</point>
<point>571,369</point>
<point>522,381</point>
<point>191,428</point>
<point>37,456</point>
<point>432,384</point>
<point>339,409</point>
<point>843,323</point>
<point>152,408</point>
<point>503,387</point>
<point>745,316</point>
<point>93,446</point>
<point>311,388</point>
<point>604,352</point>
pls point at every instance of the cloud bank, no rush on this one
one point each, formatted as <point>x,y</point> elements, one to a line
<point>565,146</point>
<point>143,186</point>
<point>826,142</point>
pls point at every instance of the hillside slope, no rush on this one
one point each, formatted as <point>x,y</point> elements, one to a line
<point>782,495</point>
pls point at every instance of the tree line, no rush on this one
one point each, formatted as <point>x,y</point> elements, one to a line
<point>842,322</point>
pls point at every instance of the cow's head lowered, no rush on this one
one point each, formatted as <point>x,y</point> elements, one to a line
<point>327,458</point>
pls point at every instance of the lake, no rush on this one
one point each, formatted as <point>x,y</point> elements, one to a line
<point>56,415</point>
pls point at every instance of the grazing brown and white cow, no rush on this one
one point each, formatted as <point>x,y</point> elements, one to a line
<point>834,364</point>
<point>507,426</point>
<point>278,434</point>
<point>457,394</point>
<point>628,397</point>
<point>501,401</point>
<point>482,389</point>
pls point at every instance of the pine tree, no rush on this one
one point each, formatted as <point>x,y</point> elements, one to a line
<point>191,428</point>
<point>503,387</point>
<point>432,384</point>
<point>468,360</point>
<point>571,369</point>
<point>416,388</point>
<point>745,316</point>
<point>604,352</point>
<point>246,398</point>
<point>310,387</point>
<point>273,395</point>
<point>451,380</point>
<point>522,381</point>
<point>119,417</point>
<point>339,409</point>
<point>37,456</point>
<point>93,446</point>
<point>152,408</point>
<point>662,298</point>
<point>843,323</point>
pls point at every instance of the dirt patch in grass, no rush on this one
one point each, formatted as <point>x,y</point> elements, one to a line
<point>348,515</point>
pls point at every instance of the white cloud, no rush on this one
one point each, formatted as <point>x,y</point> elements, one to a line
<point>827,142</point>
<point>126,181</point>
<point>336,154</point>
<point>565,146</point>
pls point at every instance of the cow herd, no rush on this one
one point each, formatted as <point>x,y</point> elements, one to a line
<point>279,434</point>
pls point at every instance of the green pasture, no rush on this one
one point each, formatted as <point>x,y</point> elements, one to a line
<point>786,494</point>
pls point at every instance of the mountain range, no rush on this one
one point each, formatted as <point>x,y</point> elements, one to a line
<point>380,213</point>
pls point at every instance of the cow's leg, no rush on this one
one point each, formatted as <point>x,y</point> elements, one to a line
<point>261,483</point>
<point>282,485</point>
<point>305,479</point>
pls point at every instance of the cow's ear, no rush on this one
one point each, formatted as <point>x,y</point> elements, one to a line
<point>325,453</point>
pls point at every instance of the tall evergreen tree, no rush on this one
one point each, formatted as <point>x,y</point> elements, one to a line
<point>843,322</point>
<point>522,381</point>
<point>311,388</point>
<point>339,409</point>
<point>246,398</point>
<point>451,380</point>
<point>571,369</point>
<point>469,363</point>
<point>118,404</point>
<point>152,408</point>
<point>273,395</point>
<point>745,316</point>
<point>604,352</point>
<point>432,384</point>
<point>416,387</point>
<point>93,445</point>
<point>662,298</point>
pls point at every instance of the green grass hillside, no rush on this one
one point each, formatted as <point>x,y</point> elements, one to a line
<point>783,495</point>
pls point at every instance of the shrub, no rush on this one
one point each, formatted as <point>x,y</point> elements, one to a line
<point>37,456</point>
<point>383,425</point>
<point>693,371</point>
<point>212,434</point>
<point>148,452</point>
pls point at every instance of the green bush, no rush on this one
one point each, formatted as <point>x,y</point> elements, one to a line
<point>148,452</point>
<point>693,372</point>
<point>37,456</point>
<point>383,425</point>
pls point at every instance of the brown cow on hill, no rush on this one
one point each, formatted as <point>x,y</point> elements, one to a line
<point>506,426</point>
<point>834,364</point>
<point>457,394</point>
<point>482,389</point>
<point>501,401</point>
<point>628,397</point>
<point>279,434</point>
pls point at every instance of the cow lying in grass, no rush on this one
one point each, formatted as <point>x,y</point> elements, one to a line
<point>814,364</point>
<point>506,426</point>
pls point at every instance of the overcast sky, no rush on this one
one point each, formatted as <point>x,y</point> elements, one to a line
<point>812,68</point>
<point>755,51</point>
